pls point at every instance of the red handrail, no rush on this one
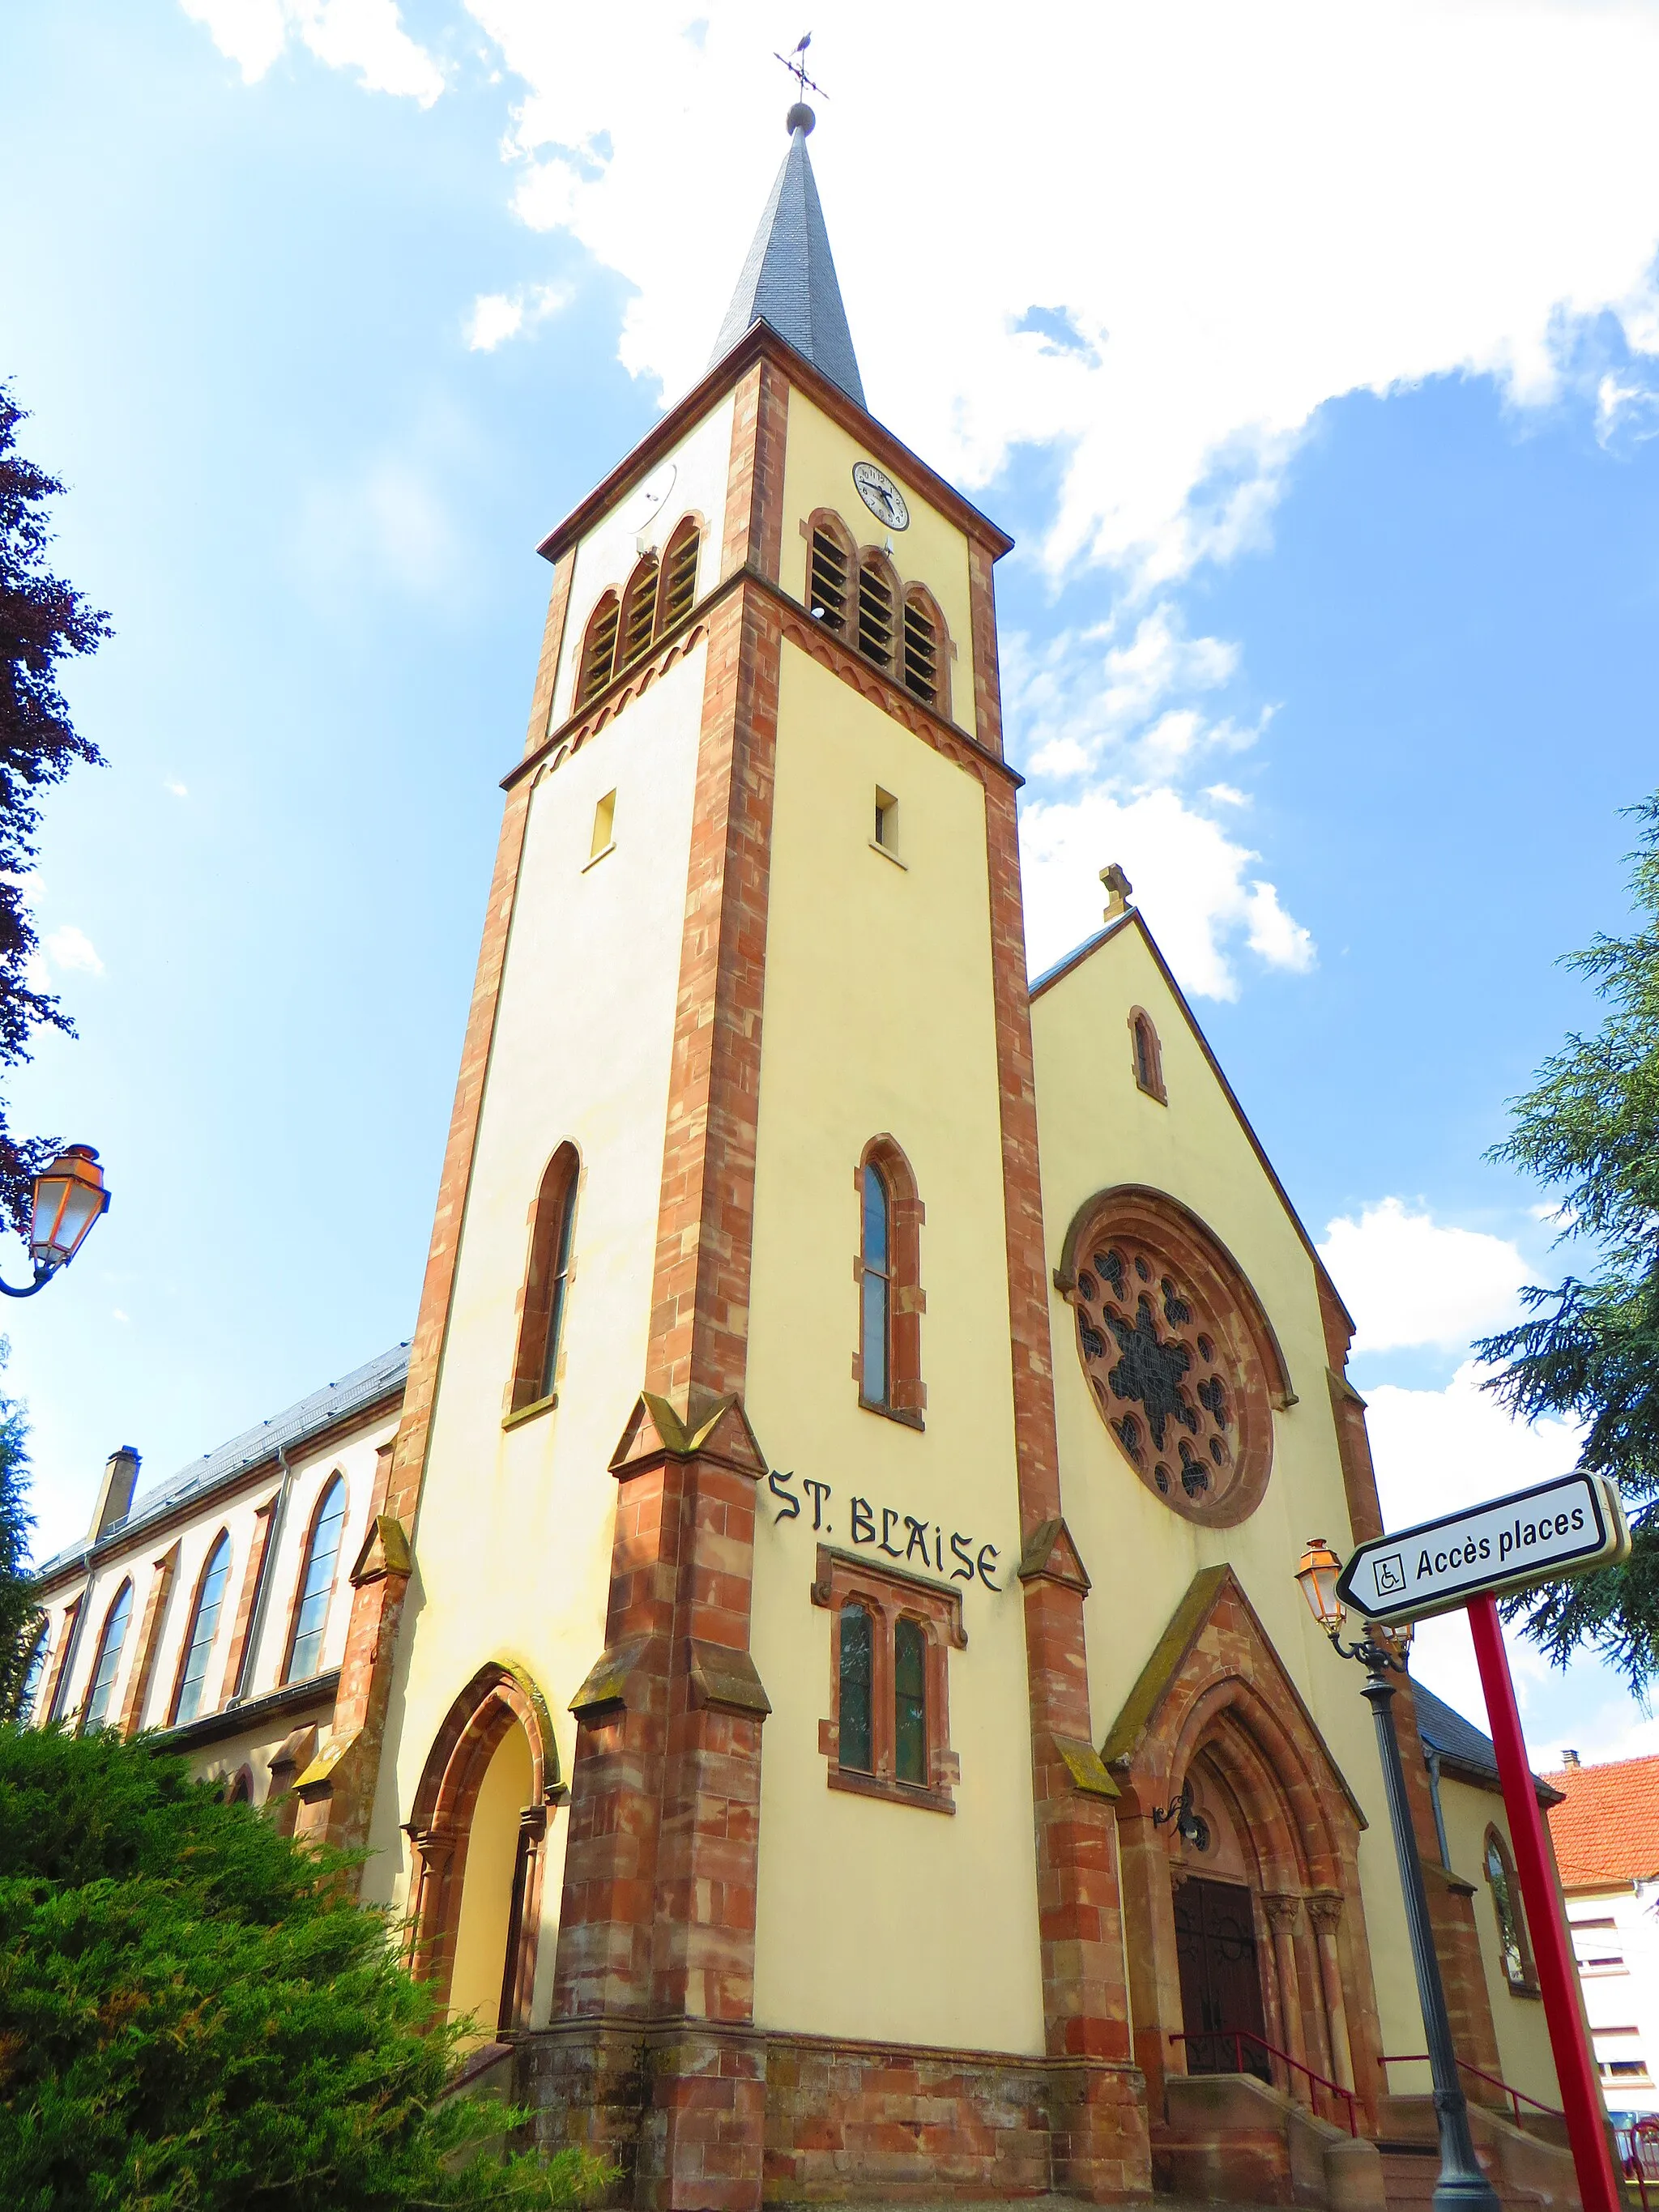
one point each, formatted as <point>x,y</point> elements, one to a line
<point>1238,2036</point>
<point>1516,2097</point>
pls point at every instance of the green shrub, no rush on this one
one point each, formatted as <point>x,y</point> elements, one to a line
<point>195,2013</point>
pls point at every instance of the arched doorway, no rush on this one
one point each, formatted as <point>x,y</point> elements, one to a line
<point>478,1832</point>
<point>1246,1932</point>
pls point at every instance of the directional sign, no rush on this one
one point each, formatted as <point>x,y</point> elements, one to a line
<point>1538,1536</point>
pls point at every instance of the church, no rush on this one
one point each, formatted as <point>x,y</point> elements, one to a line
<point>805,1630</point>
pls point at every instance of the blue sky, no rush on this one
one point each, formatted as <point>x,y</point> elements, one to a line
<point>1309,353</point>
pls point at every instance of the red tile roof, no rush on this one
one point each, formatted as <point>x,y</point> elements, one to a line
<point>1607,1827</point>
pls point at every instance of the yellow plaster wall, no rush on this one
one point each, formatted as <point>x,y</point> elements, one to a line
<point>1524,2040</point>
<point>487,1895</point>
<point>605,558</point>
<point>1097,1129</point>
<point>511,1547</point>
<point>876,1919</point>
<point>817,472</point>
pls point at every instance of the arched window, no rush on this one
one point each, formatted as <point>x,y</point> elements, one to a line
<point>855,1702</point>
<point>107,1663</point>
<point>890,1301</point>
<point>910,1703</point>
<point>875,1325</point>
<point>305,1655</point>
<point>547,1281</point>
<point>829,569</point>
<point>240,1791</point>
<point>1148,1055</point>
<point>598,649</point>
<point>922,631</point>
<point>1511,1926</point>
<point>204,1623</point>
<point>32,1674</point>
<point>678,592</point>
<point>639,614</point>
<point>877,605</point>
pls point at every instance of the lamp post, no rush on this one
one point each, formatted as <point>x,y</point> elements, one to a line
<point>1462,2187</point>
<point>68,1197</point>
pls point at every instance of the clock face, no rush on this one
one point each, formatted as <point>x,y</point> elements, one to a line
<point>881,496</point>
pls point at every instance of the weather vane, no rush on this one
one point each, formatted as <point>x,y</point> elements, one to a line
<point>795,63</point>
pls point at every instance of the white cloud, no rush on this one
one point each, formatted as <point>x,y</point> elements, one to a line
<point>497,316</point>
<point>1408,1280</point>
<point>71,949</point>
<point>179,790</point>
<point>366,35</point>
<point>1189,879</point>
<point>1485,185</point>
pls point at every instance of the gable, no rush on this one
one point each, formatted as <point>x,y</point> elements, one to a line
<point>1098,1128</point>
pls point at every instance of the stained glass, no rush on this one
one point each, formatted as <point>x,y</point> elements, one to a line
<point>853,1702</point>
<point>910,1702</point>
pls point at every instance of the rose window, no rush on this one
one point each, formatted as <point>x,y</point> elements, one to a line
<point>1169,1357</point>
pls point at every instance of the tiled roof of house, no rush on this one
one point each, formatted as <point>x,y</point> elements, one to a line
<point>307,1417</point>
<point>1607,1826</point>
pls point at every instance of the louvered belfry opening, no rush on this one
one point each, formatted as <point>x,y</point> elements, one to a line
<point>831,571</point>
<point>679,576</point>
<point>639,613</point>
<point>921,650</point>
<point>599,649</point>
<point>875,613</point>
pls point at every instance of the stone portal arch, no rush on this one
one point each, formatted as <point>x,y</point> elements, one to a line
<point>496,1745</point>
<point>1216,1715</point>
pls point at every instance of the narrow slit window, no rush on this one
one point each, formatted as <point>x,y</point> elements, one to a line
<point>547,1282</point>
<point>1512,1929</point>
<point>875,614</point>
<point>209,1599</point>
<point>920,652</point>
<point>640,613</point>
<point>605,826</point>
<point>828,581</point>
<point>598,649</point>
<point>910,1703</point>
<point>316,1584</point>
<point>1148,1056</point>
<point>679,577</point>
<point>886,818</point>
<point>877,1287</point>
<point>854,1703</point>
<point>108,1664</point>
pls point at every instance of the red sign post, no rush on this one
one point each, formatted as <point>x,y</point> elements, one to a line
<point>1575,2068</point>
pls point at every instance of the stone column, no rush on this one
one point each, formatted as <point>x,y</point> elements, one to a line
<point>1281,1911</point>
<point>1325,1910</point>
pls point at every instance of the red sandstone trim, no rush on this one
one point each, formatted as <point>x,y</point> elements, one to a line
<point>547,667</point>
<point>144,1664</point>
<point>265,1521</point>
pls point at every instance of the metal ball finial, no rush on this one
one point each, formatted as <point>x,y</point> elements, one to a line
<point>800,118</point>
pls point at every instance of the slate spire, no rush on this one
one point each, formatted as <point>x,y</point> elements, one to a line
<point>788,280</point>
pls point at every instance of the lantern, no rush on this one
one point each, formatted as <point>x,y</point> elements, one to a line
<point>1317,1574</point>
<point>68,1197</point>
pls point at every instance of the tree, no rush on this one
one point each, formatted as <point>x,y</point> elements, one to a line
<point>1588,1129</point>
<point>21,1616</point>
<point>43,621</point>
<point>194,2013</point>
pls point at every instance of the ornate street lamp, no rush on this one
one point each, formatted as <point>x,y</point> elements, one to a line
<point>1462,2187</point>
<point>68,1197</point>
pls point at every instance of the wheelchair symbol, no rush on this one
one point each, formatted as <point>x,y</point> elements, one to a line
<point>1389,1575</point>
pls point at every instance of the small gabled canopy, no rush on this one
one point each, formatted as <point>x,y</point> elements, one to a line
<point>788,280</point>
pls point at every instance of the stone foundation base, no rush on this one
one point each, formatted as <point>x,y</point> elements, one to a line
<point>704,2118</point>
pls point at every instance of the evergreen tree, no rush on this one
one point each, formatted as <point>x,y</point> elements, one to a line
<point>194,2013</point>
<point>43,621</point>
<point>21,1616</point>
<point>1589,1129</point>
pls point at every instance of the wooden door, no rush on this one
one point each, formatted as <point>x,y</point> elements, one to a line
<point>1220,1978</point>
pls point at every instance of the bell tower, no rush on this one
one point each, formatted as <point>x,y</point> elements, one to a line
<point>727,1475</point>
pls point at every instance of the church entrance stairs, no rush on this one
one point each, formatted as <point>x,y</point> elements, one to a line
<point>1524,2165</point>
